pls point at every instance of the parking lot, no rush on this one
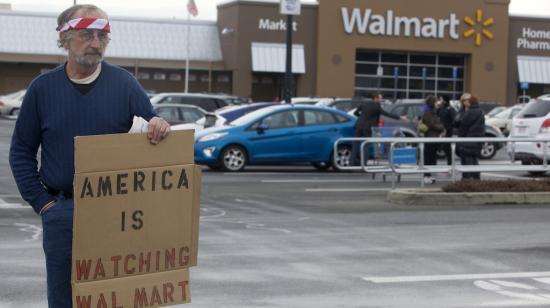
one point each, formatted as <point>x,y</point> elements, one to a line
<point>290,236</point>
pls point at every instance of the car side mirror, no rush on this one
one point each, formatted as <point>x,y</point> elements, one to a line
<point>262,128</point>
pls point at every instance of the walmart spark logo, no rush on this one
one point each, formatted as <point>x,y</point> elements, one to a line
<point>478,27</point>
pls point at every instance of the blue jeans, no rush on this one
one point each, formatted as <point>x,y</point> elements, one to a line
<point>57,225</point>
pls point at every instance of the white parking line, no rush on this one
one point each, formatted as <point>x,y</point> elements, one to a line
<point>543,280</point>
<point>35,230</point>
<point>13,206</point>
<point>5,205</point>
<point>347,189</point>
<point>402,279</point>
<point>506,176</point>
<point>514,303</point>
<point>314,181</point>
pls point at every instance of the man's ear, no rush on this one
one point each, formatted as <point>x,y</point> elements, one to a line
<point>66,43</point>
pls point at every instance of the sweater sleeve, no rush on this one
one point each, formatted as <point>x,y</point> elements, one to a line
<point>139,102</point>
<point>25,142</point>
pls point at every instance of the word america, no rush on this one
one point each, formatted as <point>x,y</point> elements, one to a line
<point>137,181</point>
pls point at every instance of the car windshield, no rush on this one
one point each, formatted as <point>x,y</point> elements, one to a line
<point>234,101</point>
<point>495,111</point>
<point>156,99</point>
<point>535,109</point>
<point>504,114</point>
<point>250,117</point>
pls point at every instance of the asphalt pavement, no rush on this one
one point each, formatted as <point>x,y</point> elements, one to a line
<point>296,237</point>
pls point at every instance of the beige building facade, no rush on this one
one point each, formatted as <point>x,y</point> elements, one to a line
<point>345,48</point>
<point>465,41</point>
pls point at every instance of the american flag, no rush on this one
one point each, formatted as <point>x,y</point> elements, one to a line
<point>192,8</point>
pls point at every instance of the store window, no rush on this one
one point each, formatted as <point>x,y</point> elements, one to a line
<point>159,76</point>
<point>407,75</point>
<point>223,79</point>
<point>144,76</point>
<point>175,77</point>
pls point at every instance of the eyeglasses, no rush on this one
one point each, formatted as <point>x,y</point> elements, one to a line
<point>88,36</point>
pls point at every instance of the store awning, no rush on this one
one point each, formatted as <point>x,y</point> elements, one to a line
<point>271,58</point>
<point>534,69</point>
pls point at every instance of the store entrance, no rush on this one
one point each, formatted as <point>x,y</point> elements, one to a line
<point>408,75</point>
<point>268,87</point>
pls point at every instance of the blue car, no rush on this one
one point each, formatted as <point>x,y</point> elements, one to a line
<point>231,113</point>
<point>282,134</point>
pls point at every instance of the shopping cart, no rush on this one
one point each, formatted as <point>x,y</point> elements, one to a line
<point>381,154</point>
<point>382,150</point>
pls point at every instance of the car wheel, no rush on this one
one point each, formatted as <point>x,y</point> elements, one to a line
<point>533,173</point>
<point>342,158</point>
<point>233,158</point>
<point>488,150</point>
<point>14,112</point>
<point>321,166</point>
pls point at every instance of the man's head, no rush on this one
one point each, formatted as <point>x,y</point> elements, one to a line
<point>87,40</point>
<point>377,98</point>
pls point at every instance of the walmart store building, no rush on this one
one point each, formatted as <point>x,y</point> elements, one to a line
<point>402,48</point>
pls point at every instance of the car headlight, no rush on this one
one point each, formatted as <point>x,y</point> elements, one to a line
<point>211,137</point>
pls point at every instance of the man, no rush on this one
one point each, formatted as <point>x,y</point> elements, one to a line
<point>85,96</point>
<point>447,115</point>
<point>368,115</point>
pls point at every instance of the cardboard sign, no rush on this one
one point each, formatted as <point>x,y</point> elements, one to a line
<point>136,220</point>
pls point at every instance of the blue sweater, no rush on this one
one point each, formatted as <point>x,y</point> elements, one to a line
<point>54,112</point>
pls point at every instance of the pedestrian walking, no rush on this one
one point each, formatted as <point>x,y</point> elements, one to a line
<point>433,128</point>
<point>368,116</point>
<point>471,123</point>
<point>447,115</point>
<point>84,96</point>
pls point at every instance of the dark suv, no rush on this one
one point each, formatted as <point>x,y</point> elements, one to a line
<point>413,110</point>
<point>207,102</point>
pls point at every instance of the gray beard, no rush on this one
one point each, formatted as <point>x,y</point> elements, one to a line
<point>88,60</point>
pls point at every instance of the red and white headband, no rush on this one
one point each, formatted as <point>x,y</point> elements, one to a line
<point>86,23</point>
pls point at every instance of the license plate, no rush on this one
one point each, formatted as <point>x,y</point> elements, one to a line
<point>522,130</point>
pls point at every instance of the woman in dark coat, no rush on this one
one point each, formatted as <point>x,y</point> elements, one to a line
<point>435,129</point>
<point>447,115</point>
<point>470,124</point>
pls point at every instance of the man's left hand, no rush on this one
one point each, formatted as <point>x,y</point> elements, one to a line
<point>157,129</point>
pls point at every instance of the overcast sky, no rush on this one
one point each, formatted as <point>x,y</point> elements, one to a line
<point>207,8</point>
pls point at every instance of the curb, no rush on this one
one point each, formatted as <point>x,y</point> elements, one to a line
<point>438,197</point>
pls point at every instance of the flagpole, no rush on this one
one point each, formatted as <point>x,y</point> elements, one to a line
<point>187,53</point>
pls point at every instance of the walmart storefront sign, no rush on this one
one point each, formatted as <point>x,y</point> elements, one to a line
<point>365,22</point>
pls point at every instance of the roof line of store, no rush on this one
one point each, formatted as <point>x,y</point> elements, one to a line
<point>121,18</point>
<point>530,16</point>
<point>257,2</point>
